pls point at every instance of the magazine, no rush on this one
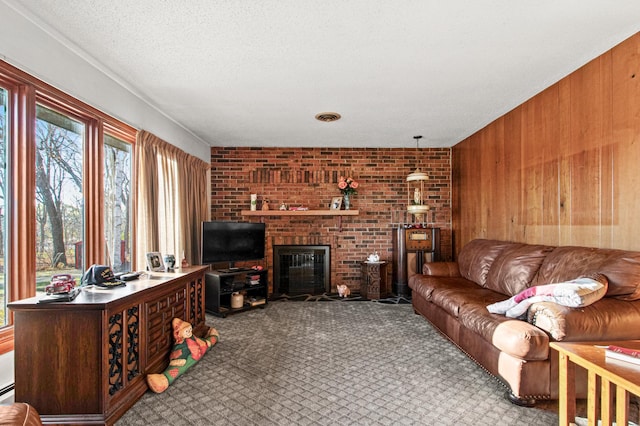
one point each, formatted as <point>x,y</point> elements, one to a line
<point>622,353</point>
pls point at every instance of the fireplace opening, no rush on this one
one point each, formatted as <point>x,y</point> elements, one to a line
<point>301,269</point>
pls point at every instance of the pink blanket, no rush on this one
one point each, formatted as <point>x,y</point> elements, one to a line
<point>574,294</point>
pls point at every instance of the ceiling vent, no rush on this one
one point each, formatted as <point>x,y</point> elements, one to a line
<point>328,117</point>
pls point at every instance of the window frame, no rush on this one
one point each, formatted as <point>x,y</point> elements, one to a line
<point>24,92</point>
<point>114,129</point>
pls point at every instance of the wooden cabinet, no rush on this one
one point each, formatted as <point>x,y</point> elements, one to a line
<point>85,361</point>
<point>412,248</point>
<point>374,284</point>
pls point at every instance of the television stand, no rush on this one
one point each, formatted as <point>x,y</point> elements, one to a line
<point>222,283</point>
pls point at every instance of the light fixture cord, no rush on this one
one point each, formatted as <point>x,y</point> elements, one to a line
<point>417,138</point>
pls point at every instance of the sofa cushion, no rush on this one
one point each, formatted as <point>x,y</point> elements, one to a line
<point>609,319</point>
<point>515,337</point>
<point>477,256</point>
<point>514,268</point>
<point>623,273</point>
<point>426,284</point>
<point>442,269</point>
<point>622,268</point>
<point>451,292</point>
<point>453,299</point>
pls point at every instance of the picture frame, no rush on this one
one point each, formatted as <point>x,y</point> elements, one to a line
<point>336,203</point>
<point>154,262</point>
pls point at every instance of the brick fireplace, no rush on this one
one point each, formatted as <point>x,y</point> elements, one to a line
<point>308,177</point>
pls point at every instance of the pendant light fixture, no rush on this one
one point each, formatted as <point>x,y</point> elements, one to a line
<point>416,195</point>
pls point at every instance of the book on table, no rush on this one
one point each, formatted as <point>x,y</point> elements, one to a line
<point>622,353</point>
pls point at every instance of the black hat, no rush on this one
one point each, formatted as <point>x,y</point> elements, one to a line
<point>101,276</point>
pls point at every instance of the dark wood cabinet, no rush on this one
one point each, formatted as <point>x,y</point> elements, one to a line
<point>412,247</point>
<point>85,361</point>
<point>374,283</point>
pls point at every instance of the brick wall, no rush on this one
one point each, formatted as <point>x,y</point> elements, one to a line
<point>308,177</point>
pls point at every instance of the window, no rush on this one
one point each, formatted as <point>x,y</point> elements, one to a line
<point>3,205</point>
<point>59,231</point>
<point>117,203</point>
<point>65,183</point>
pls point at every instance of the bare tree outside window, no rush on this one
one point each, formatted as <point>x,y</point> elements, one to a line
<point>59,198</point>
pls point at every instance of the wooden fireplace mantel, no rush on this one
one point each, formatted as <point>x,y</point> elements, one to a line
<point>300,212</point>
<point>273,213</point>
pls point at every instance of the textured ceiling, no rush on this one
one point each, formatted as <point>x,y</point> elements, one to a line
<point>255,73</point>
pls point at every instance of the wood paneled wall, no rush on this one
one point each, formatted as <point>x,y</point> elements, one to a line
<point>561,169</point>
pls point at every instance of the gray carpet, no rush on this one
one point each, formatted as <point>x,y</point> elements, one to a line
<point>333,363</point>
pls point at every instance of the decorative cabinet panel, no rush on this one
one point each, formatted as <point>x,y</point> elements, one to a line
<point>93,353</point>
<point>373,283</point>
<point>197,300</point>
<point>160,312</point>
<point>123,349</point>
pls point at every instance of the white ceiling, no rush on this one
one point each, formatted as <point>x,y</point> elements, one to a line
<point>255,73</point>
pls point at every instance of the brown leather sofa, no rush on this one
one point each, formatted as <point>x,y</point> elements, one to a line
<point>454,297</point>
<point>19,413</point>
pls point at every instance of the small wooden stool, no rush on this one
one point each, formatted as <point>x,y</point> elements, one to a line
<point>19,413</point>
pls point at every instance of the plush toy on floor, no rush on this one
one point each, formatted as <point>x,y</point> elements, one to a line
<point>343,290</point>
<point>186,352</point>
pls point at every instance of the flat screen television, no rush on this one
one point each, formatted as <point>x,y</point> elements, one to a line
<point>232,242</point>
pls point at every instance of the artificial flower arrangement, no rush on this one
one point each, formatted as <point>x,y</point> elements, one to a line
<point>347,185</point>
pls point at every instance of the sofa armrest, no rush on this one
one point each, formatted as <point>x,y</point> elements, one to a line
<point>607,319</point>
<point>550,317</point>
<point>441,269</point>
<point>19,413</point>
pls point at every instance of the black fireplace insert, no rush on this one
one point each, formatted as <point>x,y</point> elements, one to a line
<point>301,269</point>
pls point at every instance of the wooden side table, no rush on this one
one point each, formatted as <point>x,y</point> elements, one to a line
<point>605,376</point>
<point>374,284</point>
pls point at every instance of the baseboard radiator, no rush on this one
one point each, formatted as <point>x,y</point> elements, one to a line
<point>6,394</point>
